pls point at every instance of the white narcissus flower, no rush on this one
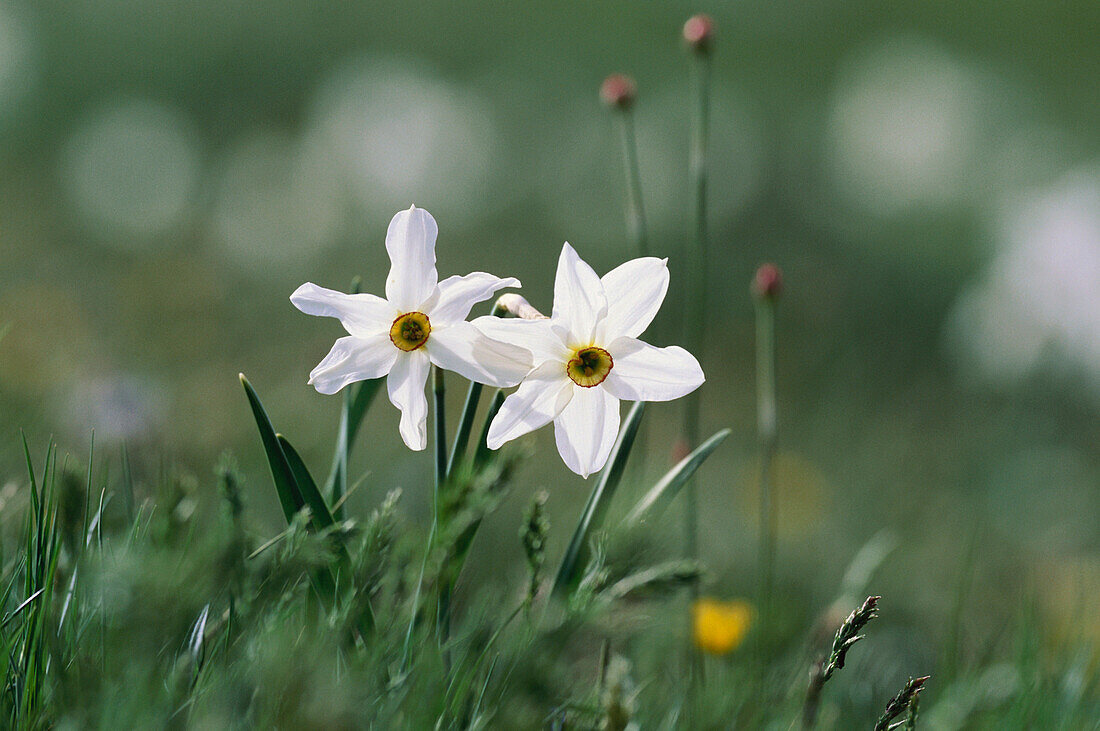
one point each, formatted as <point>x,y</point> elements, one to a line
<point>587,357</point>
<point>420,322</point>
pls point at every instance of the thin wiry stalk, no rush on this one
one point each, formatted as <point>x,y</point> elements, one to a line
<point>482,454</point>
<point>438,393</point>
<point>847,635</point>
<point>767,429</point>
<point>443,615</point>
<point>469,412</point>
<point>695,307</point>
<point>635,209</point>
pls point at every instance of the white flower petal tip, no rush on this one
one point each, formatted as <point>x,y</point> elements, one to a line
<point>635,291</point>
<point>586,430</point>
<point>360,314</point>
<point>538,400</point>
<point>466,350</point>
<point>353,359</point>
<point>579,299</point>
<point>405,386</point>
<point>534,336</point>
<point>410,242</point>
<point>643,372</point>
<point>458,295</point>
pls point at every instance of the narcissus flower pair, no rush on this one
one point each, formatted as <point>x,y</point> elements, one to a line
<point>572,368</point>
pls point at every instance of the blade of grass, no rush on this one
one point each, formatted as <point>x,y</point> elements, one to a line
<point>127,484</point>
<point>19,610</point>
<point>321,518</point>
<point>469,412</point>
<point>666,489</point>
<point>337,482</point>
<point>285,485</point>
<point>290,495</point>
<point>483,453</point>
<point>357,400</point>
<point>88,485</point>
<point>576,555</point>
<point>465,426</point>
<point>443,605</point>
<point>195,641</point>
<point>307,488</point>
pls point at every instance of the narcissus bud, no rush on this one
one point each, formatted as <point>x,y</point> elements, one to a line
<point>768,282</point>
<point>698,31</point>
<point>618,91</point>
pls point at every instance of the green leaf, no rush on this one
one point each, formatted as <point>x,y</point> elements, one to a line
<point>19,610</point>
<point>658,498</point>
<point>128,485</point>
<point>357,401</point>
<point>465,426</point>
<point>483,454</point>
<point>307,488</point>
<point>285,485</point>
<point>321,518</point>
<point>576,555</point>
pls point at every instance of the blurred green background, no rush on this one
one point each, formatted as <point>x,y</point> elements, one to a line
<point>927,174</point>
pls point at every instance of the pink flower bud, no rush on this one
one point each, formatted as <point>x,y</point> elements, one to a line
<point>698,31</point>
<point>618,91</point>
<point>768,282</point>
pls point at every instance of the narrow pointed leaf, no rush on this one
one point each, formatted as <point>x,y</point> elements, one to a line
<point>307,488</point>
<point>127,484</point>
<point>19,610</point>
<point>483,453</point>
<point>577,554</point>
<point>658,498</point>
<point>289,497</point>
<point>195,641</point>
<point>321,518</point>
<point>358,400</point>
<point>465,426</point>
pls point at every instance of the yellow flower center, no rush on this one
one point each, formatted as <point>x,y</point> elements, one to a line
<point>410,331</point>
<point>589,366</point>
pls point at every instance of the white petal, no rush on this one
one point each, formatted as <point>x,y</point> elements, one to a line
<point>458,295</point>
<point>635,291</point>
<point>354,359</point>
<point>360,314</point>
<point>410,241</point>
<point>643,372</point>
<point>537,336</point>
<point>586,429</point>
<point>579,301</point>
<point>540,398</point>
<point>406,388</point>
<point>464,349</point>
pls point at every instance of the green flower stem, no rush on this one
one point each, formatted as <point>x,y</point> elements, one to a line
<point>635,210</point>
<point>443,615</point>
<point>695,307</point>
<point>469,411</point>
<point>767,428</point>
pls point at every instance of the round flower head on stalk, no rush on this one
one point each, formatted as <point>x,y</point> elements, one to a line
<point>587,357</point>
<point>421,322</point>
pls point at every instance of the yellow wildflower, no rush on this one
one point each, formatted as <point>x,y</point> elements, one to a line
<point>720,626</point>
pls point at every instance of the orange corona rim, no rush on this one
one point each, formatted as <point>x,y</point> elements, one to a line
<point>410,331</point>
<point>589,366</point>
